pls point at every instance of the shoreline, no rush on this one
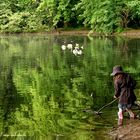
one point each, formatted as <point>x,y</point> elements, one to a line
<point>129,33</point>
<point>129,131</point>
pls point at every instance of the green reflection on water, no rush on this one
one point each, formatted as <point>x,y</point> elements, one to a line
<point>46,92</point>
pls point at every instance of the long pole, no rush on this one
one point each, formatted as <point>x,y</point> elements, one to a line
<point>98,112</point>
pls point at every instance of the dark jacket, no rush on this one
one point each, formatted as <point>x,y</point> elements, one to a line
<point>124,86</point>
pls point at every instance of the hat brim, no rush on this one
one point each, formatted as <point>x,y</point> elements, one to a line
<point>114,73</point>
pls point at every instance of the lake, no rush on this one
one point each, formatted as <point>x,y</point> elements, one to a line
<point>51,86</point>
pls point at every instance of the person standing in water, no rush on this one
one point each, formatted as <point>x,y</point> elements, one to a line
<point>124,86</point>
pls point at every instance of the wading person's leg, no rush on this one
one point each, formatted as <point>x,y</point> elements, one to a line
<point>131,114</point>
<point>120,117</point>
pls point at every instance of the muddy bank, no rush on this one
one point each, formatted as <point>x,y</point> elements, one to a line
<point>69,32</point>
<point>83,32</point>
<point>128,33</point>
<point>131,33</point>
<point>129,131</point>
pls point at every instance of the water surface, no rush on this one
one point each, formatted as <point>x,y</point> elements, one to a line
<point>50,92</point>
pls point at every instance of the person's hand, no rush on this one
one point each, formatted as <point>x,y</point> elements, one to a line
<point>114,97</point>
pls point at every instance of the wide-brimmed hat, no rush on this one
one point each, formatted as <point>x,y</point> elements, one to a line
<point>116,70</point>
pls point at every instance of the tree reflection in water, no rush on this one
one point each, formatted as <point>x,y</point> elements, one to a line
<point>44,88</point>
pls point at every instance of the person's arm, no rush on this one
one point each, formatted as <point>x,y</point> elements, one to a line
<point>117,89</point>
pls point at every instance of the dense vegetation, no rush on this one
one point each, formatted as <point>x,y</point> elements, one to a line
<point>106,16</point>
